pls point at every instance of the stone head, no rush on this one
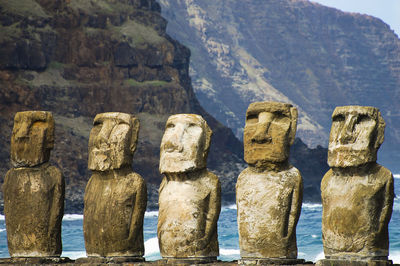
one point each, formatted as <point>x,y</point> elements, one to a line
<point>269,131</point>
<point>32,138</point>
<point>357,133</point>
<point>112,141</point>
<point>185,144</point>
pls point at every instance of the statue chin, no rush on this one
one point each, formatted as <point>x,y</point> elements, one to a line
<point>169,164</point>
<point>350,158</point>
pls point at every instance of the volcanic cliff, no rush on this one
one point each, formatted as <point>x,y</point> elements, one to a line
<point>77,58</point>
<point>292,51</point>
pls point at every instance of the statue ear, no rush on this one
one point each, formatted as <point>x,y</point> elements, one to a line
<point>135,124</point>
<point>50,130</point>
<point>380,131</point>
<point>207,135</point>
<point>293,124</point>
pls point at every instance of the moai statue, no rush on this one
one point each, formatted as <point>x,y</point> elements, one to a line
<point>269,191</point>
<point>33,189</point>
<point>115,197</point>
<point>189,195</point>
<point>357,193</point>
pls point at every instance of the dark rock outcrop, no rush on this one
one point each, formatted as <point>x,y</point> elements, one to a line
<point>77,58</point>
<point>80,58</point>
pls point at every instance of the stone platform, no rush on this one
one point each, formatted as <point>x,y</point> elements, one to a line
<point>36,260</point>
<point>337,262</point>
<point>271,261</point>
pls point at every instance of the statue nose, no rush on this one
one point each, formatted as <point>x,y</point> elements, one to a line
<point>346,135</point>
<point>174,142</point>
<point>103,135</point>
<point>262,135</point>
<point>262,132</point>
<point>22,132</point>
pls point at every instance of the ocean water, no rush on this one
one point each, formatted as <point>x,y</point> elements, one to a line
<point>309,239</point>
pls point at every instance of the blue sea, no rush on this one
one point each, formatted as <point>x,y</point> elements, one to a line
<point>309,239</point>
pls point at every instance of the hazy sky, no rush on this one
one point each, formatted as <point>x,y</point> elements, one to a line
<point>386,10</point>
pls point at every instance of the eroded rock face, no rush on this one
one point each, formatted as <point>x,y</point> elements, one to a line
<point>190,196</point>
<point>357,193</point>
<point>115,197</point>
<point>269,192</point>
<point>33,190</point>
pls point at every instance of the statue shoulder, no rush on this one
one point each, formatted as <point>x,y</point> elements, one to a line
<point>213,178</point>
<point>55,173</point>
<point>327,177</point>
<point>384,174</point>
<point>243,174</point>
<point>135,181</point>
<point>295,174</point>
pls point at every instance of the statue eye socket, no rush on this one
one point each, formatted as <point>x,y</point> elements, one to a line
<point>252,118</point>
<point>278,116</point>
<point>338,118</point>
<point>362,118</point>
<point>97,122</point>
<point>170,125</point>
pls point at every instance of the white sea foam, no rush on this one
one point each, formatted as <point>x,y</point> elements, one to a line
<point>72,217</point>
<point>2,217</point>
<point>229,252</point>
<point>320,256</point>
<point>312,206</point>
<point>231,207</point>
<point>396,176</point>
<point>2,230</point>
<point>74,254</point>
<point>395,256</point>
<point>151,214</point>
<point>151,246</point>
<point>314,236</point>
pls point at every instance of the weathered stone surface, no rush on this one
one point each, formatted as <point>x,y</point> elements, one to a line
<point>190,195</point>
<point>109,260</point>
<point>337,262</point>
<point>357,133</point>
<point>271,261</point>
<point>36,261</point>
<point>33,195</point>
<point>185,144</point>
<point>270,130</point>
<point>32,138</point>
<point>357,193</point>
<point>112,141</point>
<point>269,192</point>
<point>115,197</point>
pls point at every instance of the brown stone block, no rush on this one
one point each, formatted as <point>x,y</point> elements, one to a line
<point>189,195</point>
<point>269,192</point>
<point>115,197</point>
<point>357,193</point>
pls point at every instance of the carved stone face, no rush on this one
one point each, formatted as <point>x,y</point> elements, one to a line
<point>185,144</point>
<point>112,141</point>
<point>356,135</point>
<point>269,131</point>
<point>32,138</point>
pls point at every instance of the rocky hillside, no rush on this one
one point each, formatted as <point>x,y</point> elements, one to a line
<point>293,51</point>
<point>78,58</point>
